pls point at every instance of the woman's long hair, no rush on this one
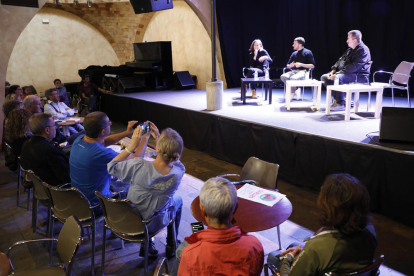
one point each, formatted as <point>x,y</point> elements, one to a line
<point>343,204</point>
<point>258,42</point>
<point>17,124</point>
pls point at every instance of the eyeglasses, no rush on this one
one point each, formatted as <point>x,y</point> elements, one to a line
<point>52,126</point>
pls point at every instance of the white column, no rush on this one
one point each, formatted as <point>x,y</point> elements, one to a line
<point>214,95</point>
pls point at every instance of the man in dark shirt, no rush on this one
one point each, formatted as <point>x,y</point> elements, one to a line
<point>300,60</point>
<point>46,160</point>
<point>87,92</point>
<point>356,61</point>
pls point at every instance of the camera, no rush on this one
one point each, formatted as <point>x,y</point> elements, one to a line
<point>145,127</point>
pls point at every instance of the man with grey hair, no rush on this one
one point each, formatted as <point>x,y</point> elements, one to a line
<point>221,248</point>
<point>353,66</point>
<point>300,60</point>
<point>33,104</point>
<point>48,161</point>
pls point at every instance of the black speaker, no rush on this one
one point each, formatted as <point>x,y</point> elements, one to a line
<point>144,6</point>
<point>183,80</point>
<point>130,85</point>
<point>397,124</point>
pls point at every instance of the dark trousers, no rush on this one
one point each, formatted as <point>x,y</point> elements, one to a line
<point>178,203</point>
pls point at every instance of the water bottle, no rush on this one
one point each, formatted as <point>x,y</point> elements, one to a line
<point>266,74</point>
<point>256,75</point>
<point>307,75</point>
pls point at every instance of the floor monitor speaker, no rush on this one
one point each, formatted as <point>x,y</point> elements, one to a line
<point>183,80</point>
<point>397,124</point>
<point>130,85</point>
<point>144,6</point>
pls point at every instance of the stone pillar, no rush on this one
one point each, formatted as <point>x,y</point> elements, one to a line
<point>214,95</point>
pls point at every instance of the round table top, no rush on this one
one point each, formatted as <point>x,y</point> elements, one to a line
<point>70,121</point>
<point>252,216</point>
<point>4,264</point>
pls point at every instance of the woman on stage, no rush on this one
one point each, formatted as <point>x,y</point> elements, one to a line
<point>259,60</point>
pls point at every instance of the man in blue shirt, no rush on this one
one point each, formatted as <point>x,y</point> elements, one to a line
<point>89,156</point>
<point>300,60</point>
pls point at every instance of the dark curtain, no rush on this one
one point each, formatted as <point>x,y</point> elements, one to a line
<point>386,27</point>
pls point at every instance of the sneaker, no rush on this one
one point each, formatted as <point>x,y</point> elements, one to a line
<point>334,104</point>
<point>297,92</point>
<point>152,252</point>
<point>338,107</point>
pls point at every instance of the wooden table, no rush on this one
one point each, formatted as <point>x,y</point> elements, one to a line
<point>69,122</point>
<point>268,87</point>
<point>311,83</point>
<point>354,88</point>
<point>252,216</point>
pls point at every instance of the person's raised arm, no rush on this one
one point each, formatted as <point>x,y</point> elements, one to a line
<point>135,141</point>
<point>140,152</point>
<point>112,139</point>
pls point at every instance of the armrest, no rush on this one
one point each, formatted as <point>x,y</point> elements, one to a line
<point>26,242</point>
<point>170,209</point>
<point>381,71</point>
<point>67,185</point>
<point>284,69</point>
<point>228,175</point>
<point>118,193</point>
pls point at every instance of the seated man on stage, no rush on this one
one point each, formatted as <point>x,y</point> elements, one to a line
<point>46,160</point>
<point>59,110</point>
<point>87,92</point>
<point>300,60</point>
<point>356,61</point>
<point>221,248</point>
<point>89,157</point>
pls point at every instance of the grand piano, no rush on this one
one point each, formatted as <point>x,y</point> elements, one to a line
<point>154,58</point>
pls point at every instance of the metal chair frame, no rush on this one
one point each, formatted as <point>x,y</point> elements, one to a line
<point>141,237</point>
<point>303,87</point>
<point>162,268</point>
<point>65,265</point>
<point>371,270</point>
<point>86,221</point>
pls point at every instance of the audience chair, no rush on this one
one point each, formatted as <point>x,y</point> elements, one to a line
<point>68,243</point>
<point>66,202</point>
<point>399,79</point>
<point>371,270</point>
<point>26,183</point>
<point>125,222</point>
<point>264,173</point>
<point>303,87</point>
<point>162,268</point>
<point>19,175</point>
<point>273,270</point>
<point>39,195</point>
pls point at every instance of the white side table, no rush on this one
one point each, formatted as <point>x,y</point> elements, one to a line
<point>311,83</point>
<point>354,88</point>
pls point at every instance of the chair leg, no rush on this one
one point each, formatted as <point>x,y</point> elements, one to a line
<point>103,250</point>
<point>369,101</point>
<point>51,243</point>
<point>408,98</point>
<point>303,92</point>
<point>28,198</point>
<point>34,214</point>
<point>93,250</point>
<point>146,255</point>
<point>19,180</point>
<point>122,244</point>
<point>278,237</point>
<point>392,95</point>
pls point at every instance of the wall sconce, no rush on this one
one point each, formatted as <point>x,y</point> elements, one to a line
<point>89,3</point>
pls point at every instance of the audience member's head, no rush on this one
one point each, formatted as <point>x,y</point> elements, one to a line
<point>96,125</point>
<point>343,203</point>
<point>52,95</point>
<point>300,40</point>
<point>27,90</point>
<point>13,97</point>
<point>33,104</point>
<point>218,200</point>
<point>42,124</point>
<point>17,125</point>
<point>57,83</point>
<point>8,106</point>
<point>34,92</point>
<point>170,145</point>
<point>16,89</point>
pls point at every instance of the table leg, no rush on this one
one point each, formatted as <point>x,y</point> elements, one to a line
<point>348,106</point>
<point>328,101</point>
<point>270,93</point>
<point>318,106</point>
<point>287,98</point>
<point>65,129</point>
<point>243,93</point>
<point>378,103</point>
<point>356,102</point>
<point>266,90</point>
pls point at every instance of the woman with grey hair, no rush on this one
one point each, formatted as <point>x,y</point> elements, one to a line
<point>153,183</point>
<point>221,248</point>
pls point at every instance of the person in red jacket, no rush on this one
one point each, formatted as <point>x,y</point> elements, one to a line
<point>221,249</point>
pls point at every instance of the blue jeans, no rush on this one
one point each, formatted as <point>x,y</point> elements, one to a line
<point>273,256</point>
<point>178,203</point>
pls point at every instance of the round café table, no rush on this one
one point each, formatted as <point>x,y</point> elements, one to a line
<point>69,122</point>
<point>252,216</point>
<point>4,265</point>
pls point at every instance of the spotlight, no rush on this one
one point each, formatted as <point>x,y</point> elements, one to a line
<point>89,3</point>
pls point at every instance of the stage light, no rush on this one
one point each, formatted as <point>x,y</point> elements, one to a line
<point>89,3</point>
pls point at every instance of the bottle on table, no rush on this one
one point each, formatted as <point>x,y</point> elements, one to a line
<point>256,75</point>
<point>266,74</point>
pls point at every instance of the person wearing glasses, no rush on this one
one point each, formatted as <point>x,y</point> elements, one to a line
<point>49,162</point>
<point>89,157</point>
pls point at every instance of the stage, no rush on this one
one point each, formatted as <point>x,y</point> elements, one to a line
<point>307,144</point>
